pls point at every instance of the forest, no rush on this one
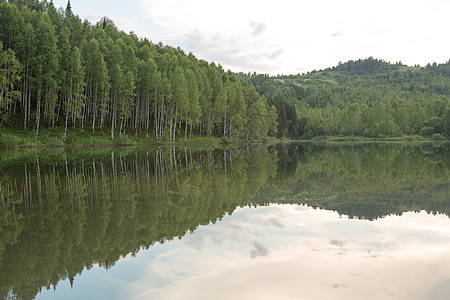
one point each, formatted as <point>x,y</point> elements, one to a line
<point>369,98</point>
<point>61,72</point>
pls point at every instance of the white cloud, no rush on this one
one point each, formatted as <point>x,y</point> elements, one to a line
<point>257,27</point>
<point>287,36</point>
<point>336,33</point>
<point>258,250</point>
<point>235,52</point>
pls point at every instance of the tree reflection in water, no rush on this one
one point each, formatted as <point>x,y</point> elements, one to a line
<point>63,211</point>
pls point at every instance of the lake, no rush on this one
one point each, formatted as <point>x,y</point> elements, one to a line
<point>282,221</point>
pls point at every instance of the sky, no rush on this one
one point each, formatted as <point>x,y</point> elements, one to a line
<point>285,36</point>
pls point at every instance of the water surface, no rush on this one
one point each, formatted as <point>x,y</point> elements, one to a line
<point>288,221</point>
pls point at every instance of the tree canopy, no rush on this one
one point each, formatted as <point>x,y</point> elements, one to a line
<point>370,98</point>
<point>60,71</point>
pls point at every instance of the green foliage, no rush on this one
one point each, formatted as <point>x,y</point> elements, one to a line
<point>369,98</point>
<point>75,75</point>
<point>365,67</point>
<point>76,85</point>
<point>10,69</point>
<point>123,140</point>
<point>437,136</point>
<point>11,137</point>
<point>46,64</point>
<point>309,135</point>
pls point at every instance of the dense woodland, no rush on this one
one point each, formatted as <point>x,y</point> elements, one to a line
<point>61,72</point>
<point>370,98</point>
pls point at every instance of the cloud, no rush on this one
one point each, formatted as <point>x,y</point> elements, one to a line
<point>336,34</point>
<point>421,243</point>
<point>258,250</point>
<point>338,285</point>
<point>413,36</point>
<point>237,52</point>
<point>194,39</point>
<point>257,27</point>
<point>337,243</point>
<point>274,222</point>
<point>236,232</point>
<point>274,55</point>
<point>271,221</point>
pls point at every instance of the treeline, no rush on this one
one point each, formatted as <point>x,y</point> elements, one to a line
<point>369,98</point>
<point>59,71</point>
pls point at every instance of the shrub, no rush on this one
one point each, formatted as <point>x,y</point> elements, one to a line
<point>437,136</point>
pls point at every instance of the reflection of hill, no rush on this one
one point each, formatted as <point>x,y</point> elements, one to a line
<point>363,180</point>
<point>67,211</point>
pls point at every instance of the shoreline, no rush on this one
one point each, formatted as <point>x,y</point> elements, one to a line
<point>211,143</point>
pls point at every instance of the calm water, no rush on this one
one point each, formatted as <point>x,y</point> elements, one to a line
<point>292,221</point>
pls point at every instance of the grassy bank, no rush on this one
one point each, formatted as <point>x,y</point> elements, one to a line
<point>406,138</point>
<point>12,137</point>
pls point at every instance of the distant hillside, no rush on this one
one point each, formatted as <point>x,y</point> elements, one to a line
<point>370,98</point>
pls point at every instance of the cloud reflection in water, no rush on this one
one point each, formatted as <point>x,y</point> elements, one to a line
<point>297,252</point>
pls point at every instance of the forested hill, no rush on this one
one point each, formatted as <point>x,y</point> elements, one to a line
<point>370,98</point>
<point>61,73</point>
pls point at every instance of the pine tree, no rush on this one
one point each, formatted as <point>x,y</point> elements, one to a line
<point>68,8</point>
